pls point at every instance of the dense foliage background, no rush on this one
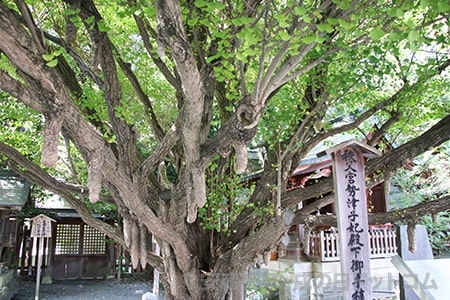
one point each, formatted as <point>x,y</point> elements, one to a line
<point>150,108</point>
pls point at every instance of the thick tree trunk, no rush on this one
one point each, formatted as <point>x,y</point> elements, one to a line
<point>228,279</point>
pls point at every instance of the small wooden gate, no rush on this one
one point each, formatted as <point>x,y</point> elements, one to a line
<point>80,252</point>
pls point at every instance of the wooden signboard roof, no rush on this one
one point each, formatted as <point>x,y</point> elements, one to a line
<point>42,216</point>
<point>368,151</point>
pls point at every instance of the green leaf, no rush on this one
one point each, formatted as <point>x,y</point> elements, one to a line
<point>443,7</point>
<point>317,14</point>
<point>392,12</point>
<point>333,21</point>
<point>283,24</point>
<point>213,167</point>
<point>399,13</point>
<point>102,26</point>
<point>344,4</point>
<point>240,56</point>
<point>320,39</point>
<point>58,52</point>
<point>425,3</point>
<point>241,34</point>
<point>205,22</point>
<point>344,23</point>
<point>413,46</point>
<point>149,11</point>
<point>372,59</point>
<point>309,39</point>
<point>49,56</point>
<point>90,19</point>
<point>75,19</point>
<point>394,36</point>
<point>413,35</point>
<point>69,12</point>
<point>325,27</point>
<point>193,21</point>
<point>52,63</point>
<point>285,36</point>
<point>441,38</point>
<point>229,108</point>
<point>200,3</point>
<point>307,18</point>
<point>377,33</point>
<point>220,34</point>
<point>280,17</point>
<point>249,35</point>
<point>252,52</point>
<point>213,57</point>
<point>241,21</point>
<point>216,5</point>
<point>299,10</point>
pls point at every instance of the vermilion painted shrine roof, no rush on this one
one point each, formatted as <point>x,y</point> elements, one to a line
<point>316,159</point>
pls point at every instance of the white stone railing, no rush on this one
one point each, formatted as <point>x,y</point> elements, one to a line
<point>324,243</point>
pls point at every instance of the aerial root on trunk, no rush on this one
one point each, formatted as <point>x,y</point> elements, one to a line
<point>135,245</point>
<point>135,236</point>
<point>143,245</point>
<point>411,232</point>
<point>306,243</point>
<point>196,193</point>
<point>126,225</point>
<point>241,157</point>
<point>95,175</point>
<point>53,124</point>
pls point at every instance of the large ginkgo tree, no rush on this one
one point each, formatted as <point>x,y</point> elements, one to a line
<point>151,106</point>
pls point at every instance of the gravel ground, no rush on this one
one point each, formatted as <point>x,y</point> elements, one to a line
<point>85,290</point>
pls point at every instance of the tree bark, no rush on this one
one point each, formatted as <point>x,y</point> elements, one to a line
<point>410,214</point>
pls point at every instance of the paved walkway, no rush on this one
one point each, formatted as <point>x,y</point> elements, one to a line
<point>84,290</point>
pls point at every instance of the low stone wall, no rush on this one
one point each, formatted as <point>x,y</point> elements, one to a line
<point>8,285</point>
<point>323,280</point>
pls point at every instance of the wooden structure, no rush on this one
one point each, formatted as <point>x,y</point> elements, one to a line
<point>321,243</point>
<point>14,194</point>
<point>350,190</point>
<point>315,253</point>
<point>74,251</point>
<point>42,226</point>
<point>41,230</point>
<point>324,243</point>
<point>80,251</point>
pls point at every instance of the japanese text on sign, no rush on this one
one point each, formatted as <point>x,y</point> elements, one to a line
<point>354,229</point>
<point>41,228</point>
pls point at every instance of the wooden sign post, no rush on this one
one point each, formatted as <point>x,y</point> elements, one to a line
<point>41,228</point>
<point>350,190</point>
